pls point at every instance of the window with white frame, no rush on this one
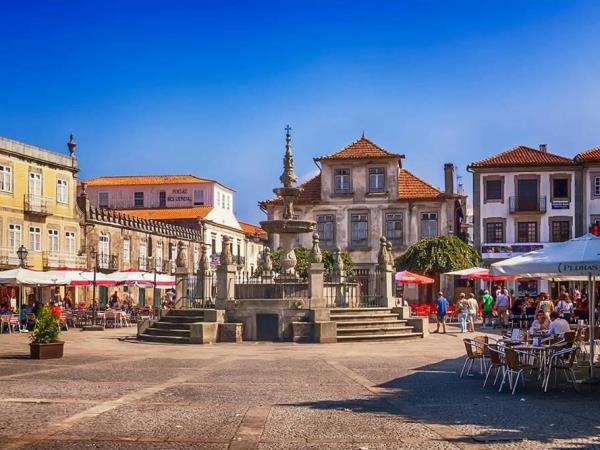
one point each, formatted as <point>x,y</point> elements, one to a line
<point>103,250</point>
<point>15,237</point>
<point>35,239</point>
<point>228,198</point>
<point>376,179</point>
<point>198,197</point>
<point>359,230</point>
<point>103,199</point>
<point>143,251</point>
<point>326,229</point>
<point>5,179</point>
<point>218,202</point>
<point>596,186</point>
<point>393,228</point>
<point>173,256</point>
<point>159,256</point>
<point>429,225</point>
<point>223,199</point>
<point>62,191</point>
<point>126,251</point>
<point>70,248</point>
<point>53,243</point>
<point>196,257</point>
<point>342,180</point>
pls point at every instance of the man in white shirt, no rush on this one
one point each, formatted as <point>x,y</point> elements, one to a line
<point>502,307</point>
<point>558,326</point>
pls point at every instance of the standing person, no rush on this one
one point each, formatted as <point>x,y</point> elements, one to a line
<point>488,303</point>
<point>114,300</point>
<point>502,307</point>
<point>545,305</point>
<point>463,312</point>
<point>576,294</point>
<point>472,302</point>
<point>564,307</point>
<point>442,311</point>
<point>67,300</point>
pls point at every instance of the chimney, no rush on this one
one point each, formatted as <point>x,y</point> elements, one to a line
<point>449,178</point>
<point>543,148</point>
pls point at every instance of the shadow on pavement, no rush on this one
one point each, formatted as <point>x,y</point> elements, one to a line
<point>434,394</point>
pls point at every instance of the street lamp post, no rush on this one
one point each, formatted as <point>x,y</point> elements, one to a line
<point>22,255</point>
<point>94,255</point>
<point>154,261</point>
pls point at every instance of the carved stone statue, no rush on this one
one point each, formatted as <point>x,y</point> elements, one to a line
<point>382,258</point>
<point>315,253</point>
<point>389,254</point>
<point>203,264</point>
<point>226,256</point>
<point>338,263</point>
<point>181,260</point>
<point>267,261</point>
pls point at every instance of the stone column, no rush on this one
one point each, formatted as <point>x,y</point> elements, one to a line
<point>225,276</point>
<point>316,283</point>
<point>385,271</point>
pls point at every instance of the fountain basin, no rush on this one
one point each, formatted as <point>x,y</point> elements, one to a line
<point>288,226</point>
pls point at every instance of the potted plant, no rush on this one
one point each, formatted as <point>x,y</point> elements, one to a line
<point>44,339</point>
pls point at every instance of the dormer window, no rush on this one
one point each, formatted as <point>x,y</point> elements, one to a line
<point>342,181</point>
<point>376,179</point>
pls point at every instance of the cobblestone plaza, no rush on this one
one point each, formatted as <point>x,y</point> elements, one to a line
<point>110,393</point>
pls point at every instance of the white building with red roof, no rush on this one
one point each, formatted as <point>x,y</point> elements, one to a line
<point>523,199</point>
<point>361,193</point>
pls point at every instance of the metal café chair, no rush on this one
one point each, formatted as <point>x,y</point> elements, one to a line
<point>517,362</point>
<point>564,360</point>
<point>475,352</point>
<point>496,363</point>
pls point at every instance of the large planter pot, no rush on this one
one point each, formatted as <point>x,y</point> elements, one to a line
<point>46,351</point>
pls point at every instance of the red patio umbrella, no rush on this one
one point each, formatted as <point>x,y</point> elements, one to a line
<point>412,278</point>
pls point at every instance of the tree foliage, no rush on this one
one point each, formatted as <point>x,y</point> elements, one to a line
<point>46,328</point>
<point>438,255</point>
<point>303,261</point>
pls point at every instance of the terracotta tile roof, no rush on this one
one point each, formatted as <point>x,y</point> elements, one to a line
<point>522,156</point>
<point>413,188</point>
<point>195,212</point>
<point>252,229</point>
<point>311,192</point>
<point>360,149</point>
<point>591,155</point>
<point>135,180</point>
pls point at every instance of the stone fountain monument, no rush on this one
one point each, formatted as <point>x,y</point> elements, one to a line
<point>287,227</point>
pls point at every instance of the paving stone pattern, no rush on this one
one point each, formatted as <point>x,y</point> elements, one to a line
<point>112,394</point>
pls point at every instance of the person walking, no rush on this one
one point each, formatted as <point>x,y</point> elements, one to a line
<point>463,312</point>
<point>442,311</point>
<point>502,307</point>
<point>488,303</point>
<point>472,317</point>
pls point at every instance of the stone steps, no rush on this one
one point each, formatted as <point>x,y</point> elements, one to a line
<point>379,337</point>
<point>173,327</point>
<point>370,324</point>
<point>164,339</point>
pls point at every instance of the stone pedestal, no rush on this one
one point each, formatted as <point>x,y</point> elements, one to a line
<point>230,332</point>
<point>214,315</point>
<point>402,311</point>
<point>181,287</point>
<point>302,331</point>
<point>387,298</point>
<point>316,285</point>
<point>325,332</point>
<point>225,285</point>
<point>203,333</point>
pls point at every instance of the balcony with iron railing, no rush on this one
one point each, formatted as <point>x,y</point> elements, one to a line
<point>108,262</point>
<point>8,257</point>
<point>526,204</point>
<point>57,259</point>
<point>36,204</point>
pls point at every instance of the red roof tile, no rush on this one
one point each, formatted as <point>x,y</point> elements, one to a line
<point>360,149</point>
<point>522,156</point>
<point>135,180</point>
<point>591,155</point>
<point>310,193</point>
<point>252,229</point>
<point>413,188</point>
<point>195,212</point>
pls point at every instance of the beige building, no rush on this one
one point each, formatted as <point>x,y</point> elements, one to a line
<point>362,192</point>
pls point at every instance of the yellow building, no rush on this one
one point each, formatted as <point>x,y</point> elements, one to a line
<point>37,206</point>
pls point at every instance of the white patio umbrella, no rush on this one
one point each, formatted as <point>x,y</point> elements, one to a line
<point>466,272</point>
<point>26,277</point>
<point>576,259</point>
<point>162,280</point>
<point>129,278</point>
<point>79,277</point>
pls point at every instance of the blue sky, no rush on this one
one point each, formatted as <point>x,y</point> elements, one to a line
<point>206,88</point>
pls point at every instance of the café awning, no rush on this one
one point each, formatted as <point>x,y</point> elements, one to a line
<point>26,277</point>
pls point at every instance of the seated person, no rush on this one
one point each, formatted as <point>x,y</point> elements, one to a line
<point>540,324</point>
<point>559,326</point>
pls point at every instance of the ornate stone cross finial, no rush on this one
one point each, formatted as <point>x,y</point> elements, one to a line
<point>72,145</point>
<point>226,256</point>
<point>288,177</point>
<point>315,253</point>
